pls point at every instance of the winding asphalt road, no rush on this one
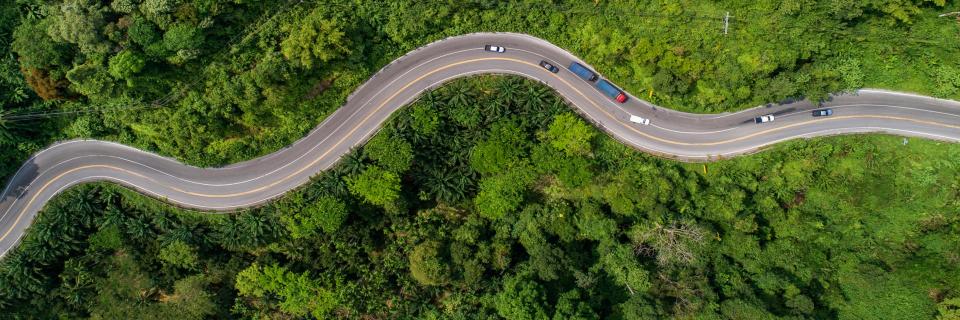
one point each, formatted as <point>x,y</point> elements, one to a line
<point>672,134</point>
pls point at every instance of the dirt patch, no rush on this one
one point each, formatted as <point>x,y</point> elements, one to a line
<point>319,88</point>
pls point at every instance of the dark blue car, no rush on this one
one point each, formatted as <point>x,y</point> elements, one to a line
<point>822,112</point>
<point>548,66</point>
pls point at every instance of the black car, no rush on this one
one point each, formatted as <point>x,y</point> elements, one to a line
<point>822,112</point>
<point>548,66</point>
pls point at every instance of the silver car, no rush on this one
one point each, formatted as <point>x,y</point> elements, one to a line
<point>493,48</point>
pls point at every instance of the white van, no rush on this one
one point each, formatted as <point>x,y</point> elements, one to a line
<point>640,120</point>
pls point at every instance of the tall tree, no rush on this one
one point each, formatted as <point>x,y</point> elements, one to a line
<point>315,39</point>
<point>299,294</point>
<point>376,186</point>
<point>427,264</point>
<point>324,214</point>
<point>570,134</point>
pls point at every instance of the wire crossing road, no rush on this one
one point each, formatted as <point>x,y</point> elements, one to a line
<point>672,134</point>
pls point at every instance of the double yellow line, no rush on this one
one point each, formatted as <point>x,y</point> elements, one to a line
<point>394,95</point>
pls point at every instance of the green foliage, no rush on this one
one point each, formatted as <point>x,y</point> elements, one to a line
<point>851,73</point>
<point>5,137</point>
<point>623,266</point>
<point>79,22</point>
<point>881,295</point>
<point>108,238</point>
<point>947,81</point>
<point>35,48</point>
<point>143,32</point>
<point>315,39</point>
<point>324,214</point>
<point>122,294</point>
<point>191,299</point>
<point>571,225</point>
<point>299,295</point>
<point>392,153</point>
<point>572,306</point>
<point>521,298</point>
<point>949,309</point>
<point>90,79</point>
<point>126,64</point>
<point>427,265</point>
<point>425,119</point>
<point>503,148</point>
<point>184,41</point>
<point>123,6</point>
<point>376,186</point>
<point>570,134</point>
<point>810,229</point>
<point>179,254</point>
<point>503,193</point>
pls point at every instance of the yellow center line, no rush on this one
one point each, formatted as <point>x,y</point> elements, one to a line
<point>394,95</point>
<point>45,186</point>
<point>632,128</point>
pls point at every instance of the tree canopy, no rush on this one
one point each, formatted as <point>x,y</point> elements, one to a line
<point>487,197</point>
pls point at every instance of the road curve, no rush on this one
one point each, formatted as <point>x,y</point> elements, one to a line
<point>672,134</point>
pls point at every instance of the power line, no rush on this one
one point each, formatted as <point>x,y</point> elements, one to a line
<point>173,95</point>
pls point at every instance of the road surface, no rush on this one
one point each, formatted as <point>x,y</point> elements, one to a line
<point>672,134</point>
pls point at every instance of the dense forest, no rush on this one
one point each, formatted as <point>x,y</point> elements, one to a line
<point>213,82</point>
<point>488,197</point>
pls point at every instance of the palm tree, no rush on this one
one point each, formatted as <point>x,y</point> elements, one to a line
<point>495,110</point>
<point>535,99</point>
<point>459,152</point>
<point>429,154</point>
<point>256,228</point>
<point>245,230</point>
<point>163,221</point>
<point>352,163</point>
<point>327,183</point>
<point>229,234</point>
<point>138,229</point>
<point>460,94</point>
<point>41,245</point>
<point>557,105</point>
<point>110,197</point>
<point>508,90</point>
<point>442,185</point>
<point>77,283</point>
<point>112,216</point>
<point>182,233</point>
<point>447,185</point>
<point>85,200</point>
<point>18,268</point>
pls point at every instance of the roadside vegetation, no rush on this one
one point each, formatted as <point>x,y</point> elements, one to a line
<point>216,82</point>
<point>489,198</point>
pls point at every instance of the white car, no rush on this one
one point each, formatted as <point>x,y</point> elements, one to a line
<point>640,120</point>
<point>762,119</point>
<point>493,48</point>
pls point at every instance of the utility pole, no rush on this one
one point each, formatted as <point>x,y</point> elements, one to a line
<point>726,23</point>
